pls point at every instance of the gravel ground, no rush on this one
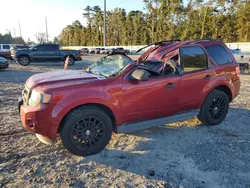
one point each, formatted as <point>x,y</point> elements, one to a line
<point>183,154</point>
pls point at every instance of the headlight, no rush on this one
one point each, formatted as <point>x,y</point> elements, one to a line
<point>38,98</point>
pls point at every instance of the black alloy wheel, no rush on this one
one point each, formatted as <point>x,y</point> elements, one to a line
<point>88,132</point>
<point>215,108</point>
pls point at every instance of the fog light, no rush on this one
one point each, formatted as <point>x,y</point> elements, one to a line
<point>30,124</point>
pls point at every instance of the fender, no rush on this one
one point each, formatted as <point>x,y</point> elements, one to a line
<point>95,96</point>
<point>221,80</point>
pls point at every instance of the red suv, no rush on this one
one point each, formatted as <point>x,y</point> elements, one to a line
<point>172,81</point>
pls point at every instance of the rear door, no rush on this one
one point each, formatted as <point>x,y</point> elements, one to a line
<point>51,52</point>
<point>197,72</point>
<point>225,62</point>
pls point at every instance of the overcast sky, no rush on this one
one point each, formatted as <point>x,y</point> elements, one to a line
<point>31,14</point>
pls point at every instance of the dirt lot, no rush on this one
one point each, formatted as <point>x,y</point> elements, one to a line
<point>184,154</point>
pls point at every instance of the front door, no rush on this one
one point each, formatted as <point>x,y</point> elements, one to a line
<point>155,98</point>
<point>37,53</point>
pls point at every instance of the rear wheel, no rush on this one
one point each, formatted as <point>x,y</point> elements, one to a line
<point>86,131</point>
<point>24,60</point>
<point>215,108</point>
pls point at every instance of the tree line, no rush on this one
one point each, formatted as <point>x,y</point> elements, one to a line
<point>8,39</point>
<point>227,20</point>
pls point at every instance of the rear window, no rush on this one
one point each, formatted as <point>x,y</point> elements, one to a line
<point>219,54</point>
<point>47,47</point>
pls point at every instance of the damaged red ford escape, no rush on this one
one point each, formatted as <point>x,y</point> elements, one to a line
<point>172,81</point>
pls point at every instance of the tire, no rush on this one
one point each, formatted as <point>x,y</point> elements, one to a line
<point>24,60</point>
<point>215,108</point>
<point>85,124</point>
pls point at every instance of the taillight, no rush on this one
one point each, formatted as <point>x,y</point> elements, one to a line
<point>237,71</point>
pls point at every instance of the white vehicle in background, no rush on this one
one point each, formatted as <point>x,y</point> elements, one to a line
<point>243,58</point>
<point>106,51</point>
<point>103,51</point>
<point>5,47</point>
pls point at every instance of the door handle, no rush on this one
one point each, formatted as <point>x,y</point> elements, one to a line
<point>170,85</point>
<point>207,77</point>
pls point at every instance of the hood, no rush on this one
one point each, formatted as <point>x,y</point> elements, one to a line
<point>62,77</point>
<point>18,51</point>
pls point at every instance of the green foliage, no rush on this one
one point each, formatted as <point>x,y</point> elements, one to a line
<point>8,39</point>
<point>228,20</point>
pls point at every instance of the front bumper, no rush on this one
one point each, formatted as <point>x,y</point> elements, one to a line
<point>38,121</point>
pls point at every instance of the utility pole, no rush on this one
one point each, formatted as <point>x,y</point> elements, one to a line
<point>14,39</point>
<point>47,36</point>
<point>104,32</point>
<point>14,32</point>
<point>20,30</point>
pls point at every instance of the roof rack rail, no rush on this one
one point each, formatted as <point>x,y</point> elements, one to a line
<point>157,43</point>
<point>204,39</point>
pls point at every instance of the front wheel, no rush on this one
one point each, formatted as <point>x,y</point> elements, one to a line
<point>215,108</point>
<point>86,131</point>
<point>24,60</point>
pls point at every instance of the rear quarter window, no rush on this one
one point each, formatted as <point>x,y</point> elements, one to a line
<point>219,54</point>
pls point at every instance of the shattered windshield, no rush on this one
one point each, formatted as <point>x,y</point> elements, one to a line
<point>110,65</point>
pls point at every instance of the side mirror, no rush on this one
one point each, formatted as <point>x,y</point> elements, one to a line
<point>140,74</point>
<point>33,49</point>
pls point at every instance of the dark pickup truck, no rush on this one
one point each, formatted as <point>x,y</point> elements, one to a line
<point>45,52</point>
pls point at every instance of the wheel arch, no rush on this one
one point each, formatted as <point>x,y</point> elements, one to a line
<point>21,55</point>
<point>103,107</point>
<point>226,90</point>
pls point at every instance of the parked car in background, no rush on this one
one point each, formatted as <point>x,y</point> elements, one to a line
<point>4,47</point>
<point>3,63</point>
<point>98,50</point>
<point>95,51</point>
<point>243,58</point>
<point>104,51</point>
<point>5,54</point>
<point>172,81</point>
<point>84,50</point>
<point>120,51</point>
<point>45,52</point>
<point>19,46</point>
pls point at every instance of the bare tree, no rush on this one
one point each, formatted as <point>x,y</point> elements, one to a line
<point>41,37</point>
